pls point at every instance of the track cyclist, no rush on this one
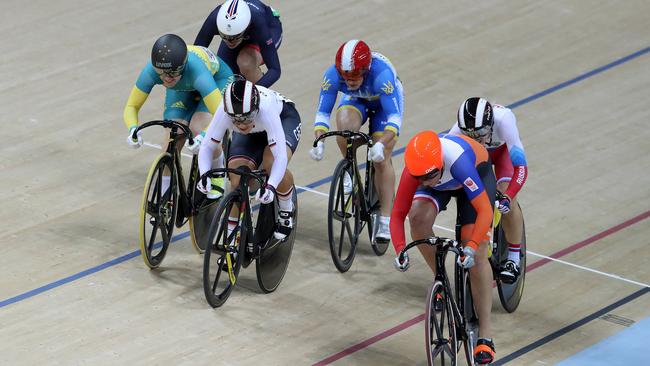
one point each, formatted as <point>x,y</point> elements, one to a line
<point>371,91</point>
<point>437,169</point>
<point>194,78</point>
<point>251,33</point>
<point>266,132</point>
<point>495,127</point>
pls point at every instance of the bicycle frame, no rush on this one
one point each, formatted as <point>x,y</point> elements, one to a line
<point>350,155</point>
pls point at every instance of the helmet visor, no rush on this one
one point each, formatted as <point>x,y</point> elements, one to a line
<point>478,134</point>
<point>354,75</point>
<point>244,119</point>
<point>172,73</point>
<point>430,175</point>
<point>232,39</point>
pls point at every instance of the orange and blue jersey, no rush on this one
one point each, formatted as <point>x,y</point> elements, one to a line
<point>380,97</point>
<point>461,158</point>
<point>204,73</point>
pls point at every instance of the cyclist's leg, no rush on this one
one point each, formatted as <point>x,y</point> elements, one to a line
<point>424,210</point>
<point>481,272</point>
<point>179,106</point>
<point>350,115</point>
<point>384,171</point>
<point>512,221</point>
<point>249,60</point>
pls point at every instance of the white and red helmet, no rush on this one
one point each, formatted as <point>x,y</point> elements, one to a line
<point>353,59</point>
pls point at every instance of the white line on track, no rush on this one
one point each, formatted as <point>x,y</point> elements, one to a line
<point>610,275</point>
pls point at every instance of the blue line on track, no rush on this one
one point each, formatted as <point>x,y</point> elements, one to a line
<point>320,182</point>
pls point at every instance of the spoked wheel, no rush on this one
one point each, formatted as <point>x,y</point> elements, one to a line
<point>471,319</point>
<point>343,221</point>
<point>273,261</point>
<point>224,255</point>
<point>158,211</point>
<point>510,294</point>
<point>442,344</point>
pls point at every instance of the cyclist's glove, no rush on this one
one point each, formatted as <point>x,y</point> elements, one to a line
<point>317,152</point>
<point>137,142</point>
<point>403,265</point>
<point>267,196</point>
<point>504,204</point>
<point>467,260</point>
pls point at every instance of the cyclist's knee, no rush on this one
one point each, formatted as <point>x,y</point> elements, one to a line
<point>421,216</point>
<point>348,119</point>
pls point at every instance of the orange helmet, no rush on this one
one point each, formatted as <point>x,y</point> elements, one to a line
<point>423,154</point>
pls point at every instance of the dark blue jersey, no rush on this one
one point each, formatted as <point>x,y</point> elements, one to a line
<point>265,31</point>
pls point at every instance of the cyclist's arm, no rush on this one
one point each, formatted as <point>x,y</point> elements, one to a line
<point>464,171</point>
<point>208,30</point>
<point>510,133</point>
<point>455,130</point>
<point>278,146</point>
<point>328,91</point>
<point>403,200</point>
<point>212,142</point>
<point>139,95</point>
<point>386,85</point>
<point>266,43</point>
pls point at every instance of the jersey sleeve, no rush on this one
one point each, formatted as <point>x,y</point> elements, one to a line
<point>217,129</point>
<point>208,30</point>
<point>139,94</point>
<point>328,92</point>
<point>386,85</point>
<point>269,53</point>
<point>510,133</point>
<point>401,207</point>
<point>464,171</point>
<point>206,86</point>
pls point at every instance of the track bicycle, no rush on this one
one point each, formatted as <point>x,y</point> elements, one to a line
<point>249,238</point>
<point>161,211</point>
<point>349,212</point>
<point>454,326</point>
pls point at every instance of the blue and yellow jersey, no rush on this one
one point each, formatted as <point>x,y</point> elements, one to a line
<point>200,72</point>
<point>380,87</point>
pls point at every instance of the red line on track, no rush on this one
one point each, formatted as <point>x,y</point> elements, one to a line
<point>400,327</point>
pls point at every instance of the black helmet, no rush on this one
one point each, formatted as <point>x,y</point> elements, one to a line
<point>241,100</point>
<point>169,54</point>
<point>475,117</point>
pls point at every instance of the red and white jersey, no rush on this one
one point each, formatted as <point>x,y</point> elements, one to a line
<point>267,120</point>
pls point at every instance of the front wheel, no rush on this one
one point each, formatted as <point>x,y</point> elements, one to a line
<point>442,343</point>
<point>223,257</point>
<point>343,220</point>
<point>158,211</point>
<point>470,316</point>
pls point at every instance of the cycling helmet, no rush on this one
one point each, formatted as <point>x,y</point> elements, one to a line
<point>423,155</point>
<point>475,117</point>
<point>241,100</point>
<point>169,54</point>
<point>233,19</point>
<point>353,59</point>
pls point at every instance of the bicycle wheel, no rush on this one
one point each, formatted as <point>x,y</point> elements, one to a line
<point>273,261</point>
<point>471,318</point>
<point>201,211</point>
<point>223,258</point>
<point>442,344</point>
<point>379,247</point>
<point>344,212</point>
<point>510,294</point>
<point>157,211</point>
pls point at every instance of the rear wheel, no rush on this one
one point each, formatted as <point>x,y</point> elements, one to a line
<point>158,211</point>
<point>343,220</point>
<point>273,261</point>
<point>442,343</point>
<point>223,257</point>
<point>510,294</point>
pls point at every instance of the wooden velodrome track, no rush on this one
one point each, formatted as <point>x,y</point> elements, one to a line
<point>73,289</point>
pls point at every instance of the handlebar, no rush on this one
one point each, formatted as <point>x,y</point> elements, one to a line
<point>167,124</point>
<point>347,134</point>
<point>259,175</point>
<point>447,244</point>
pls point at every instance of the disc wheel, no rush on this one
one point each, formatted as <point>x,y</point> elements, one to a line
<point>510,294</point>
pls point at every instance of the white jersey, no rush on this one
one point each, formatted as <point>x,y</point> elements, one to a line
<point>504,131</point>
<point>267,120</point>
